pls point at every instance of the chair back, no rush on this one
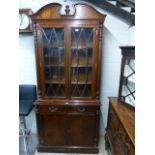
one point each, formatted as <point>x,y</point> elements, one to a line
<point>27,92</point>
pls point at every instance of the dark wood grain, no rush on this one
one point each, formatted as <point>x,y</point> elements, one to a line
<point>68,124</point>
<point>120,132</point>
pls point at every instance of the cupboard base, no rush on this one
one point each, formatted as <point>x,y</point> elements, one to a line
<point>66,149</point>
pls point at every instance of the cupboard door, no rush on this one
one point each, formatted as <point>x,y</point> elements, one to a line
<point>81,130</point>
<point>51,129</point>
<point>82,62</point>
<point>54,54</point>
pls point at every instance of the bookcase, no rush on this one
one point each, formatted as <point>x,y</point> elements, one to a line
<point>68,57</point>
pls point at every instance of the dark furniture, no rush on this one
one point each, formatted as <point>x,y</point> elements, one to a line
<point>27,96</point>
<point>68,43</point>
<point>127,76</point>
<point>120,132</point>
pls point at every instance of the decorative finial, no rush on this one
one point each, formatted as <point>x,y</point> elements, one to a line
<point>67,10</point>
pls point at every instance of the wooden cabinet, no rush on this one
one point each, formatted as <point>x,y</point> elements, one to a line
<point>127,77</point>
<point>120,132</point>
<point>62,127</point>
<point>68,57</point>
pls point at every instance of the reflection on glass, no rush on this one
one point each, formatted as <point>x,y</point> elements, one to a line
<point>54,60</point>
<point>128,89</point>
<point>56,90</point>
<point>54,56</point>
<point>81,61</point>
<point>54,74</point>
<point>83,90</point>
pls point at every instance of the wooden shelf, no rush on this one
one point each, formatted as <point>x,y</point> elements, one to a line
<point>81,47</point>
<point>81,65</point>
<point>81,82</point>
<point>55,65</point>
<point>54,82</point>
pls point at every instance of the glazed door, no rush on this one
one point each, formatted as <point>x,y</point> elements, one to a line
<point>69,60</point>
<point>83,62</point>
<point>54,61</point>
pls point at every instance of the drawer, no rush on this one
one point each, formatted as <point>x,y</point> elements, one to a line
<point>51,109</point>
<point>83,109</point>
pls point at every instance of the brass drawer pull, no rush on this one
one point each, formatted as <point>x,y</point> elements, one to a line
<point>81,109</point>
<point>52,109</point>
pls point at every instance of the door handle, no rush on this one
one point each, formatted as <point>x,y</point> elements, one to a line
<point>81,109</point>
<point>52,109</point>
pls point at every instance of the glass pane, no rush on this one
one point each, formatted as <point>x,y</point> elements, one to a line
<point>54,59</point>
<point>54,74</point>
<point>130,100</point>
<point>53,37</point>
<point>54,56</point>
<point>81,90</point>
<point>82,74</point>
<point>128,89</point>
<point>55,90</point>
<point>81,61</point>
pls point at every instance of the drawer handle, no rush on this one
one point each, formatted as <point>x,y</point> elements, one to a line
<point>52,109</point>
<point>81,109</point>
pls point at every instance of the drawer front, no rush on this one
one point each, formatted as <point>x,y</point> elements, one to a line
<point>49,109</point>
<point>83,109</point>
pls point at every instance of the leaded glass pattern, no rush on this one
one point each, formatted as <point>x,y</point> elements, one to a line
<point>54,60</point>
<point>128,88</point>
<point>81,62</point>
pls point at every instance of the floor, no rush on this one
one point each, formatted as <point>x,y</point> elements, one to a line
<point>33,141</point>
<point>31,145</point>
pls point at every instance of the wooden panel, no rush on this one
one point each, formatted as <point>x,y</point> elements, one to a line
<point>50,109</point>
<point>52,129</point>
<point>82,109</point>
<point>53,11</point>
<point>126,117</point>
<point>89,12</point>
<point>119,136</point>
<point>81,130</point>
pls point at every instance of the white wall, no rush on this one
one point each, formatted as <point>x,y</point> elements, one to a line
<point>27,68</point>
<point>115,34</point>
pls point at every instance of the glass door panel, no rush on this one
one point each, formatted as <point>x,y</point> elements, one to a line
<point>128,88</point>
<point>81,61</point>
<point>54,60</point>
